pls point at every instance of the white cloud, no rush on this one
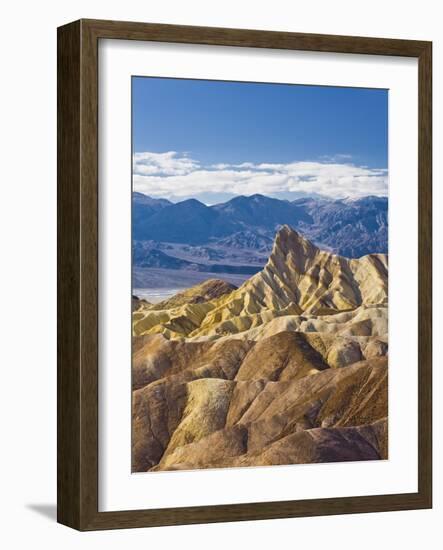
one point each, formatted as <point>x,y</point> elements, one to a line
<point>177,177</point>
<point>163,164</point>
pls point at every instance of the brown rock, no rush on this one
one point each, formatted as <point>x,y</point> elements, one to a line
<point>217,423</point>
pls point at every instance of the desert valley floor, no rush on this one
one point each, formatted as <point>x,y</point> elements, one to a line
<point>291,367</point>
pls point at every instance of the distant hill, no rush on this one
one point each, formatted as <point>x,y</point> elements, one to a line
<point>351,228</point>
<point>143,208</point>
<point>189,222</point>
<point>264,212</point>
<point>247,239</point>
<point>154,258</point>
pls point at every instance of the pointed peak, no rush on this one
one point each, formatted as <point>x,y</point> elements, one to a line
<point>288,240</point>
<point>287,232</point>
<point>191,202</point>
<point>287,229</point>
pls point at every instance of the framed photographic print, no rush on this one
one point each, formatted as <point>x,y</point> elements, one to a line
<point>232,341</point>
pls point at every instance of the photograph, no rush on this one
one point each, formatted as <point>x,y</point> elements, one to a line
<point>259,274</point>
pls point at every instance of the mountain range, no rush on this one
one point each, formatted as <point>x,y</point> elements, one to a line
<point>236,237</point>
<point>349,227</point>
<point>289,368</point>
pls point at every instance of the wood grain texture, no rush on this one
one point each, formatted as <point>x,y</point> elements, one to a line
<point>254,38</point>
<point>78,271</point>
<point>425,274</point>
<point>68,275</point>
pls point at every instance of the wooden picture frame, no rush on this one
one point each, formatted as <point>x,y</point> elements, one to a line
<point>78,274</point>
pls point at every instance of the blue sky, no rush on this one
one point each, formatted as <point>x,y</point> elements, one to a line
<point>186,132</point>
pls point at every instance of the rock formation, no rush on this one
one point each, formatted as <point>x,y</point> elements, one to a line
<point>299,278</point>
<point>289,368</point>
